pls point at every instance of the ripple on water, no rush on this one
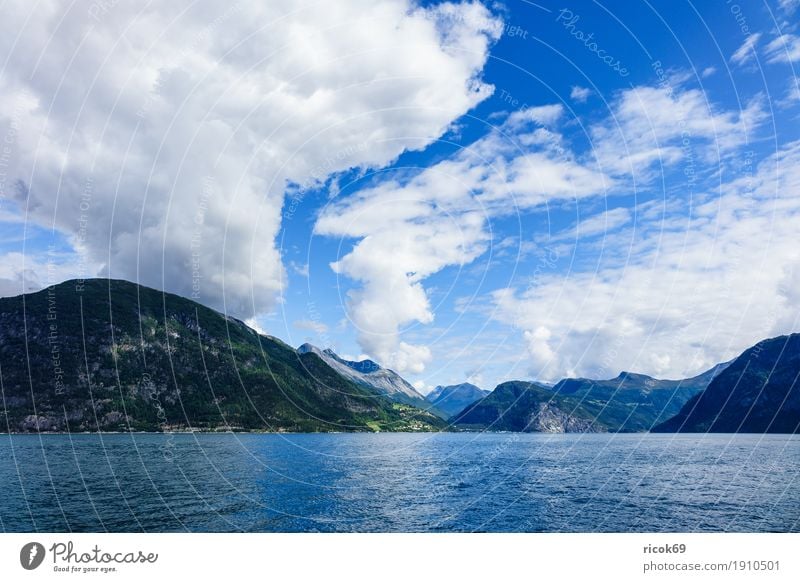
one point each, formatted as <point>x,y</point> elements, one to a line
<point>400,482</point>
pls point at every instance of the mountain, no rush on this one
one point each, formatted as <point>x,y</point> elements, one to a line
<point>527,407</point>
<point>758,393</point>
<point>634,402</point>
<point>453,399</point>
<point>628,403</point>
<point>370,374</point>
<point>113,355</point>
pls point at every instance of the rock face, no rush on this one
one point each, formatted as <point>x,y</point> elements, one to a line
<point>527,407</point>
<point>455,398</point>
<point>38,423</point>
<point>547,418</point>
<point>111,355</point>
<point>371,374</point>
<point>758,393</point>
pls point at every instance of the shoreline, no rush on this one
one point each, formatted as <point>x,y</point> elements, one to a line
<point>231,432</point>
<point>273,432</point>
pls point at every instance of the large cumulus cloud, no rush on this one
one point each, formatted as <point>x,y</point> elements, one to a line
<point>160,139</point>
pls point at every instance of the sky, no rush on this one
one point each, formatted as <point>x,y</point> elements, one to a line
<point>461,191</point>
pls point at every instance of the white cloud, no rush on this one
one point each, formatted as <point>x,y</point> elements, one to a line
<point>689,292</point>
<point>316,326</point>
<point>475,377</point>
<point>784,49</point>
<point>793,93</point>
<point>746,52</point>
<point>391,265</point>
<point>602,223</point>
<point>654,127</point>
<point>543,115</point>
<point>579,94</point>
<point>253,323</point>
<point>23,274</point>
<point>421,387</point>
<point>16,281</point>
<point>708,71</point>
<point>411,228</point>
<point>171,131</point>
<point>301,269</point>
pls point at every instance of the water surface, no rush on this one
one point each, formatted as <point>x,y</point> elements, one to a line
<point>399,482</point>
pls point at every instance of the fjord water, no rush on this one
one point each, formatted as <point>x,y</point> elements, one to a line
<point>400,482</point>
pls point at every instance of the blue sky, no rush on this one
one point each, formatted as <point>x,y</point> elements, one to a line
<point>460,191</point>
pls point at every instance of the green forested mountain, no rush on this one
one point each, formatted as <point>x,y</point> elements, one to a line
<point>758,393</point>
<point>634,402</point>
<point>527,407</point>
<point>628,403</point>
<point>113,355</point>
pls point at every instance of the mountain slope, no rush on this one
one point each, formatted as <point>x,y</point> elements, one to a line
<point>527,407</point>
<point>634,402</point>
<point>455,398</point>
<point>112,355</point>
<point>628,403</point>
<point>758,393</point>
<point>369,373</point>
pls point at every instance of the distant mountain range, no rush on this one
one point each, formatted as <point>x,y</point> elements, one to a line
<point>453,399</point>
<point>628,403</point>
<point>115,356</point>
<point>634,402</point>
<point>758,393</point>
<point>527,407</point>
